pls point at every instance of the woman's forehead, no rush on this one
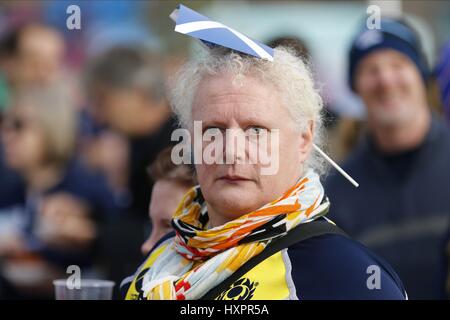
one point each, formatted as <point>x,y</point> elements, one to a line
<point>213,85</point>
<point>223,95</point>
<point>237,110</point>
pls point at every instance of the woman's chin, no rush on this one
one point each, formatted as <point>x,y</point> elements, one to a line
<point>239,192</point>
<point>234,205</point>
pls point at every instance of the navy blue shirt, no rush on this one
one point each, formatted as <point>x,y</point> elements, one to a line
<point>402,207</point>
<point>328,267</point>
<point>11,185</point>
<point>333,267</point>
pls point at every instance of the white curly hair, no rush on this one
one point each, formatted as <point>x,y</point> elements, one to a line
<point>287,72</point>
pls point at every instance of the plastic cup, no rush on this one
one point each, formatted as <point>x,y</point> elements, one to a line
<point>90,289</point>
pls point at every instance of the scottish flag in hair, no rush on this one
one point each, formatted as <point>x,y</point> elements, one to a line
<point>213,33</point>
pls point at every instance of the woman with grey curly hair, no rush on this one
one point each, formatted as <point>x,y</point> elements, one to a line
<point>243,234</point>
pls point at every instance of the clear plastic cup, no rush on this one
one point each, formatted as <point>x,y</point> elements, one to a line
<point>90,289</point>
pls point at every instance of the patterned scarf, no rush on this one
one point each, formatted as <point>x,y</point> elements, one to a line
<point>199,258</point>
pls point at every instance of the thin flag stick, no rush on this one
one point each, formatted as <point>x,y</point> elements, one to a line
<point>335,165</point>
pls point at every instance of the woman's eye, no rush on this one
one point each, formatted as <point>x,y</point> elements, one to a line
<point>256,131</point>
<point>212,131</point>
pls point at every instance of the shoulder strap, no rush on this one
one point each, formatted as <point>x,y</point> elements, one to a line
<point>300,233</point>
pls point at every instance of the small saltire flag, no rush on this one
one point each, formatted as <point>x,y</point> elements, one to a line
<point>212,33</point>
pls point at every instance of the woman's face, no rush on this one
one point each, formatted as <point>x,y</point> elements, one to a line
<point>23,140</point>
<point>252,108</point>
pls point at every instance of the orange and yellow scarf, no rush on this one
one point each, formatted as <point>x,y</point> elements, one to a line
<point>198,259</point>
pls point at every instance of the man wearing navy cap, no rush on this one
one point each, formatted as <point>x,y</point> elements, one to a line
<point>402,206</point>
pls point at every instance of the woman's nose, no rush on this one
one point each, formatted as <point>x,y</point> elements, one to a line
<point>234,145</point>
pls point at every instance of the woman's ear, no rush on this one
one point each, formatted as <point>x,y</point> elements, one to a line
<point>306,140</point>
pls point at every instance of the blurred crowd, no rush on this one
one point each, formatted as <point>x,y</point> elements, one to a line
<point>74,156</point>
<point>86,177</point>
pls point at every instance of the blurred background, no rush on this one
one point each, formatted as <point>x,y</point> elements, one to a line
<point>84,114</point>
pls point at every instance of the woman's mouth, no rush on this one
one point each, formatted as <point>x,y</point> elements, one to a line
<point>233,179</point>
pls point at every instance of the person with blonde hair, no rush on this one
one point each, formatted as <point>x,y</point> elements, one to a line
<point>241,234</point>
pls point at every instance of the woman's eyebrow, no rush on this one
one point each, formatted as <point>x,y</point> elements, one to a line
<point>214,123</point>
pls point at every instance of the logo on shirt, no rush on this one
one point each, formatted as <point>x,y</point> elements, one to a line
<point>139,295</point>
<point>242,289</point>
